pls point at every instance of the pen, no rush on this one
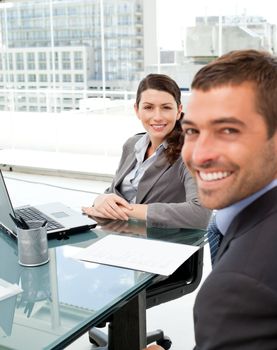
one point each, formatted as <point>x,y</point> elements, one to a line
<point>24,225</point>
<point>16,221</point>
<point>44,223</point>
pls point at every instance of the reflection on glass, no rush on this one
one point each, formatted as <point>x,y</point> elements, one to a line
<point>36,287</point>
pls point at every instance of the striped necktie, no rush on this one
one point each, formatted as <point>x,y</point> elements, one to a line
<point>214,237</point>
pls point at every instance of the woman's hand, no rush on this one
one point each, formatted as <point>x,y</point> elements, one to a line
<point>109,206</point>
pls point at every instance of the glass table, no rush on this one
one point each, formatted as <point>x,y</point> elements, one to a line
<point>62,299</point>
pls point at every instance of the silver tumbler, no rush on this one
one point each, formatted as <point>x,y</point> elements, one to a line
<point>32,244</point>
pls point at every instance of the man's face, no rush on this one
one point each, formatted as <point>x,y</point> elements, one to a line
<point>226,145</point>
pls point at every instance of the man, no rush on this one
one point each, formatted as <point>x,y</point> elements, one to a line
<point>230,147</point>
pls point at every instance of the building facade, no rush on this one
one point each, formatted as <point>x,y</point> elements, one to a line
<point>54,53</point>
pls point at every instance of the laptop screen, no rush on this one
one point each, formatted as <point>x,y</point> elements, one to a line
<point>6,207</point>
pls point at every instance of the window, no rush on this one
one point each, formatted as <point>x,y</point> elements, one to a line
<point>19,61</point>
<point>79,78</point>
<point>10,58</point>
<point>42,65</point>
<point>43,77</point>
<point>78,60</point>
<point>56,60</point>
<point>31,65</point>
<point>32,77</point>
<point>42,62</point>
<point>66,78</point>
<point>30,56</point>
<point>20,78</point>
<point>66,64</point>
<point>33,100</point>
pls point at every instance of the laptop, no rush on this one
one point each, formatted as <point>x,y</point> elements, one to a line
<point>61,219</point>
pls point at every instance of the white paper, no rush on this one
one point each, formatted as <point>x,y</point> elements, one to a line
<point>7,289</point>
<point>153,256</point>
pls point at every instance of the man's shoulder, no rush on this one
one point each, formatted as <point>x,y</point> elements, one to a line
<point>263,208</point>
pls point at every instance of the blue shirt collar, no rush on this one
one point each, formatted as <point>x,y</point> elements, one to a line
<point>142,144</point>
<point>225,216</point>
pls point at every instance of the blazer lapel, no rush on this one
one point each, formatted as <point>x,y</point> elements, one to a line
<point>248,218</point>
<point>151,176</point>
<point>126,168</point>
<point>224,245</point>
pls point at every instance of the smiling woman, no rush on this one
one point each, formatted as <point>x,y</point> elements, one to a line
<point>152,183</point>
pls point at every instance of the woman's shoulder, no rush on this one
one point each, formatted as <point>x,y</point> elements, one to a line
<point>133,139</point>
<point>181,167</point>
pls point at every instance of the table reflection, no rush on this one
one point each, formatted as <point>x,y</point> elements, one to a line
<point>137,228</point>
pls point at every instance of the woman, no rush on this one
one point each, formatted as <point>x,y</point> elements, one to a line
<point>152,183</point>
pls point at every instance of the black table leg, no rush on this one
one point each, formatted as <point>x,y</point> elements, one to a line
<point>127,331</point>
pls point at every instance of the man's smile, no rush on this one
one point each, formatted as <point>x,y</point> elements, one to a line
<point>213,175</point>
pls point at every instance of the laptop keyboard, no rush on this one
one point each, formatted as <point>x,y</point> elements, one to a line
<point>31,213</point>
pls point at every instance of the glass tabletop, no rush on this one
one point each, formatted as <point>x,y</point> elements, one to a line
<point>66,296</point>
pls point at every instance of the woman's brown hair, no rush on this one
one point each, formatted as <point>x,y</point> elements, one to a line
<point>163,82</point>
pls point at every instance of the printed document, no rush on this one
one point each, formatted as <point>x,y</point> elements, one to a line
<point>153,256</point>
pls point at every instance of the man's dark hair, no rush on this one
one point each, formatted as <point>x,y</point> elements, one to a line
<point>236,67</point>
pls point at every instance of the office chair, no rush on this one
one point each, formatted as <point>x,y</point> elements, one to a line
<point>183,281</point>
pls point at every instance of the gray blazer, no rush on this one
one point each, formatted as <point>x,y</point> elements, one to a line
<point>236,307</point>
<point>169,190</point>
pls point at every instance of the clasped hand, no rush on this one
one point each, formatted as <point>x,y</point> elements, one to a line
<point>109,206</point>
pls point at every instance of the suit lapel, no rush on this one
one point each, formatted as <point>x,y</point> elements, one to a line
<point>151,176</point>
<point>248,218</point>
<point>128,165</point>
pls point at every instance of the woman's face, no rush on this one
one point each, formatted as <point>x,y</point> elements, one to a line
<point>158,112</point>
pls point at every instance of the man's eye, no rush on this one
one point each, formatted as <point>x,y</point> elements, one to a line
<point>190,131</point>
<point>229,131</point>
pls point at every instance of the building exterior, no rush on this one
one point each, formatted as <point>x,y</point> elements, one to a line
<point>54,53</point>
<point>214,35</point>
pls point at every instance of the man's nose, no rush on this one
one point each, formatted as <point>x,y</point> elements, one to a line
<point>205,150</point>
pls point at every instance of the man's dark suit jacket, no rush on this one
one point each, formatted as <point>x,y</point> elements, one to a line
<point>236,307</point>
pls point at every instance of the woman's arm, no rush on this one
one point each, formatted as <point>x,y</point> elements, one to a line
<point>109,206</point>
<point>139,211</point>
<point>180,214</point>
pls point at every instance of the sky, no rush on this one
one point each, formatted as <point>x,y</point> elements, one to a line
<point>175,15</point>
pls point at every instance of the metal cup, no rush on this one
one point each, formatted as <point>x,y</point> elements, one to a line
<point>32,244</point>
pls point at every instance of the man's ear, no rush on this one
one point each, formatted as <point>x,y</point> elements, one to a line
<point>275,141</point>
<point>180,110</point>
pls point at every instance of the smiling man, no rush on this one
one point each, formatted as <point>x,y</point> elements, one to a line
<point>230,147</point>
